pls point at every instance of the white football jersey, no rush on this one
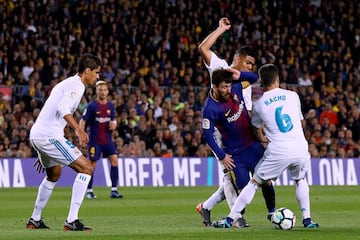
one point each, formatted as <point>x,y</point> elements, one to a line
<point>216,63</point>
<point>279,111</point>
<point>64,99</point>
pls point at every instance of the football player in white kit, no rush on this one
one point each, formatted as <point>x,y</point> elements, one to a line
<point>55,151</point>
<point>278,113</point>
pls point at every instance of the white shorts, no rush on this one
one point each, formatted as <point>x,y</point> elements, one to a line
<point>55,151</point>
<point>271,167</point>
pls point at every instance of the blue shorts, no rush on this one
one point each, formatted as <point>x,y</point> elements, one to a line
<point>245,162</point>
<point>95,151</point>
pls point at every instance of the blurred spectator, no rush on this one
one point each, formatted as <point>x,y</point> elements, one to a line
<point>328,114</point>
<point>152,63</point>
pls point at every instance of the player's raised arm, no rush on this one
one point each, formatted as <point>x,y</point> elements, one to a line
<point>208,42</point>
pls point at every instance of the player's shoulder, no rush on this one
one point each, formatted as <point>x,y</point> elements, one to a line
<point>289,93</point>
<point>92,105</point>
<point>111,104</point>
<point>74,80</point>
<point>208,104</point>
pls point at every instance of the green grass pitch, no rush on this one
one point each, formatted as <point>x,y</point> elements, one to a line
<point>169,213</point>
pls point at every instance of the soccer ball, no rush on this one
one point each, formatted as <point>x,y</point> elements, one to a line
<point>283,218</point>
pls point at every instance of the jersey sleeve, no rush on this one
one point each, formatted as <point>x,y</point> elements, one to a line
<point>208,127</point>
<point>87,113</point>
<point>69,98</point>
<point>251,77</point>
<point>215,63</point>
<point>112,114</point>
<point>255,119</point>
<point>299,106</point>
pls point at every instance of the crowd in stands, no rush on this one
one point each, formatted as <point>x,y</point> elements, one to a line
<point>157,78</point>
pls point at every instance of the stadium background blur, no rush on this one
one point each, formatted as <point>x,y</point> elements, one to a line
<point>157,78</point>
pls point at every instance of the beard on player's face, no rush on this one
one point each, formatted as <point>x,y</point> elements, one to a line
<point>223,92</point>
<point>102,97</point>
<point>224,97</point>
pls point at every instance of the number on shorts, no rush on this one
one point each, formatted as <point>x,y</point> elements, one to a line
<point>70,144</point>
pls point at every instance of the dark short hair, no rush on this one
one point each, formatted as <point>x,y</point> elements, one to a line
<point>221,75</point>
<point>268,74</point>
<point>245,51</point>
<point>88,61</point>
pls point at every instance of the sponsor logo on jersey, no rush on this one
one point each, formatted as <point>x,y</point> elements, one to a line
<point>236,116</point>
<point>102,119</point>
<point>227,113</point>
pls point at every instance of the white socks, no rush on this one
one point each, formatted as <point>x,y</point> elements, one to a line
<point>78,192</point>
<point>246,196</point>
<point>229,190</point>
<point>215,198</point>
<point>44,192</point>
<point>302,195</point>
<point>225,191</point>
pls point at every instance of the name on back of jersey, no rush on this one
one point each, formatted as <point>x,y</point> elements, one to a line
<point>275,99</point>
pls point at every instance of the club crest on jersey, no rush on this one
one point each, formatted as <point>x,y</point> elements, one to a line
<point>206,123</point>
<point>73,95</point>
<point>108,112</point>
<point>236,98</point>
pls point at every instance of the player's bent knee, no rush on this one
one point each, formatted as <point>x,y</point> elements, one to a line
<point>254,182</point>
<point>87,170</point>
<point>82,165</point>
<point>53,173</point>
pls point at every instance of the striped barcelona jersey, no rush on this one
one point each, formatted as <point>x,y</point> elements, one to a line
<point>232,120</point>
<point>97,117</point>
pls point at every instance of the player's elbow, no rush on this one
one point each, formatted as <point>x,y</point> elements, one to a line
<point>200,47</point>
<point>203,49</point>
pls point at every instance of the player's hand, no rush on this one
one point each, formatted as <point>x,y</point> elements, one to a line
<point>228,162</point>
<point>236,73</point>
<point>83,137</point>
<point>265,141</point>
<point>112,125</point>
<point>39,167</point>
<point>224,23</point>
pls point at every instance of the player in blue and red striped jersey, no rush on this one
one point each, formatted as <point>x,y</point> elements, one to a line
<point>225,110</point>
<point>99,117</point>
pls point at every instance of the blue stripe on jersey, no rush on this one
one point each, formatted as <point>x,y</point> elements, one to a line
<point>210,171</point>
<point>61,149</point>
